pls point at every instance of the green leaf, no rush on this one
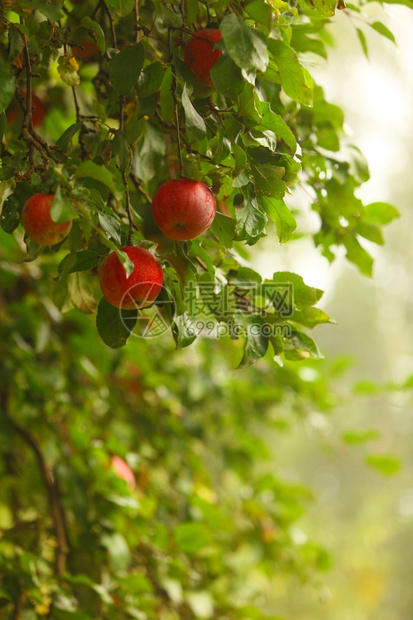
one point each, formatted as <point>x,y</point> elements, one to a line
<point>81,292</point>
<point>191,537</point>
<point>10,214</point>
<point>358,255</point>
<point>88,169</point>
<point>363,42</point>
<point>268,180</point>
<point>65,139</point>
<point>326,8</point>
<point>166,99</point>
<point>274,122</point>
<point>111,226</point>
<point>169,17</point>
<point>175,286</point>
<point>384,31</point>
<point>300,346</point>
<point>122,8</point>
<point>302,294</point>
<point>7,85</point>
<point>150,79</point>
<point>358,164</point>
<point>95,27</point>
<point>121,151</point>
<point>295,80</point>
<point>359,437</point>
<point>194,122</point>
<point>125,68</point>
<point>61,209</point>
<point>183,332</point>
<point>251,220</point>
<point>223,228</point>
<point>380,213</point>
<point>149,153</point>
<point>281,215</point>
<point>261,13</point>
<point>408,3</point>
<point>370,232</point>
<point>245,45</point>
<point>303,43</point>
<point>118,550</point>
<point>79,261</point>
<point>256,341</point>
<point>115,325</point>
<point>50,11</point>
<point>385,464</point>
<point>310,317</point>
<point>227,77</point>
<point>15,44</point>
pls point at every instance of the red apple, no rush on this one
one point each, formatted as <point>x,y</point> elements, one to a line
<point>38,112</point>
<point>38,224</point>
<point>200,55</point>
<point>141,288</point>
<point>85,50</point>
<point>183,208</point>
<point>123,470</point>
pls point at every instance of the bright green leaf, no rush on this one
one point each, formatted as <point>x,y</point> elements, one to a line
<point>245,45</point>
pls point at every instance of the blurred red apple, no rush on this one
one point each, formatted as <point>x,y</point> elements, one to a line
<point>123,470</point>
<point>200,54</point>
<point>38,224</point>
<point>86,49</point>
<point>38,115</point>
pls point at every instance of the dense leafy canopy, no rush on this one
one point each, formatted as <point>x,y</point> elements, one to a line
<point>137,117</point>
<point>124,113</point>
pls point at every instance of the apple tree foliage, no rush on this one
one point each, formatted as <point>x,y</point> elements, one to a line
<point>124,114</point>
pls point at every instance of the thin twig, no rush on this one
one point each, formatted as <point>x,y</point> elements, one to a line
<point>183,12</point>
<point>112,24</point>
<point>77,107</point>
<point>176,111</point>
<point>29,100</point>
<point>200,262</point>
<point>137,183</point>
<point>137,29</point>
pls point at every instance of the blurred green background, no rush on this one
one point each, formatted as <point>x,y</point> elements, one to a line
<point>364,519</point>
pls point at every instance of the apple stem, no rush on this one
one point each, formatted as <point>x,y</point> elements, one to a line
<point>128,208</point>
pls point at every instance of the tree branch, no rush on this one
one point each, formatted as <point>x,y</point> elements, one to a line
<point>137,29</point>
<point>56,508</point>
<point>112,24</point>
<point>137,183</point>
